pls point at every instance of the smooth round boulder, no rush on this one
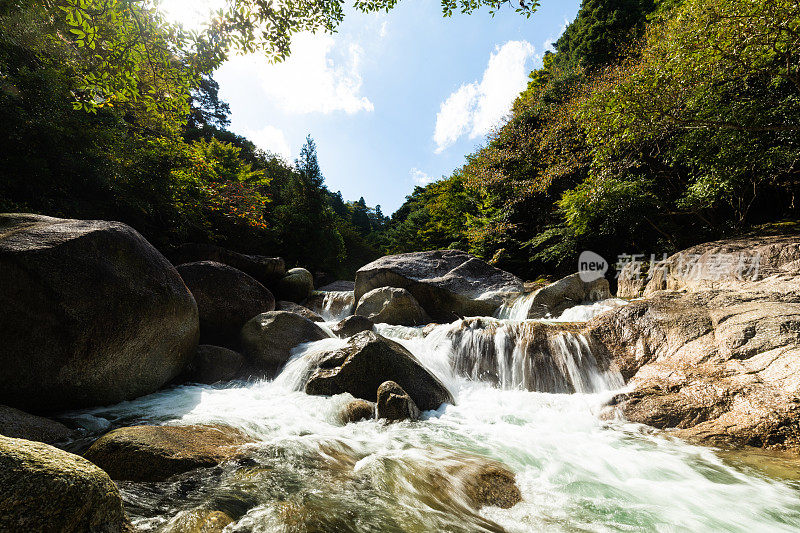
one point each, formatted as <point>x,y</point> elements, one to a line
<point>554,299</point>
<point>267,270</point>
<point>389,305</point>
<point>226,299</point>
<point>43,488</point>
<point>92,314</point>
<point>268,339</point>
<point>394,404</point>
<point>352,325</point>
<point>366,362</point>
<point>356,411</point>
<point>21,425</point>
<point>448,284</point>
<point>292,307</point>
<point>213,364</point>
<point>156,453</point>
<point>296,285</point>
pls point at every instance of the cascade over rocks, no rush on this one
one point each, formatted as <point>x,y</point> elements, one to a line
<point>394,404</point>
<point>43,488</point>
<point>226,299</point>
<point>388,305</point>
<point>213,364</point>
<point>92,314</point>
<point>21,425</point>
<point>156,453</point>
<point>292,307</point>
<point>296,285</point>
<point>554,299</point>
<point>267,270</point>
<point>351,326</point>
<point>268,339</point>
<point>446,283</point>
<point>369,360</point>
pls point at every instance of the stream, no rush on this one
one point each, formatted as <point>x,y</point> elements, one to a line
<point>528,393</point>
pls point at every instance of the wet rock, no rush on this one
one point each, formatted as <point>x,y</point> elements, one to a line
<point>199,521</point>
<point>446,283</point>
<point>388,305</point>
<point>267,340</point>
<point>339,286</point>
<point>21,425</point>
<point>394,404</point>
<point>46,489</point>
<point>356,411</point>
<point>490,483</point>
<point>226,299</point>
<point>352,325</point>
<point>156,453</point>
<point>213,364</point>
<point>366,362</point>
<point>292,307</point>
<point>296,285</point>
<point>267,270</point>
<point>554,299</point>
<point>92,314</point>
<point>716,367</point>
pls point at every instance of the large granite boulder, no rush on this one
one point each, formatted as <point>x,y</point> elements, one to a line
<point>213,364</point>
<point>92,314</point>
<point>447,283</point>
<point>296,285</point>
<point>21,425</point>
<point>46,489</point>
<point>156,453</point>
<point>339,286</point>
<point>717,367</point>
<point>388,305</point>
<point>752,263</point>
<point>268,339</point>
<point>367,361</point>
<point>267,270</point>
<point>226,299</point>
<point>554,299</point>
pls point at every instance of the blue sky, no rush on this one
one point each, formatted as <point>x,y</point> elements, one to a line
<point>392,100</point>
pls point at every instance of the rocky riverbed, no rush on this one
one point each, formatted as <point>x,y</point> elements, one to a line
<point>435,393</point>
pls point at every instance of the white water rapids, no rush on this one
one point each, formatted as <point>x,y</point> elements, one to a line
<point>578,468</point>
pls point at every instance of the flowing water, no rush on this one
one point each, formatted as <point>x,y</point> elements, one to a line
<point>579,467</point>
<point>335,306</point>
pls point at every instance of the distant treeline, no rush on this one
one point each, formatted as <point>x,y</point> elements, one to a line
<point>653,126</point>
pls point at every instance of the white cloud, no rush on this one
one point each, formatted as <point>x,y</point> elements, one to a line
<point>271,139</point>
<point>477,107</point>
<point>383,31</point>
<point>420,178</point>
<point>310,81</point>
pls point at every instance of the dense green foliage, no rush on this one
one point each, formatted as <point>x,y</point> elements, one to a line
<point>170,171</point>
<point>654,126</point>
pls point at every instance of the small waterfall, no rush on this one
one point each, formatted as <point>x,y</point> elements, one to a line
<point>528,355</point>
<point>516,309</point>
<point>333,306</point>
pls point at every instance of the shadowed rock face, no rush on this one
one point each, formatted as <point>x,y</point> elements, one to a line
<point>446,283</point>
<point>268,339</point>
<point>296,285</point>
<point>366,362</point>
<point>92,314</point>
<point>155,453</point>
<point>213,364</point>
<point>352,325</point>
<point>21,425</point>
<point>226,299</point>
<point>292,307</point>
<point>266,270</point>
<point>718,367</point>
<point>394,404</point>
<point>46,489</point>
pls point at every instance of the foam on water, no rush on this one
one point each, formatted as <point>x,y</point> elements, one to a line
<point>579,467</point>
<point>336,306</point>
